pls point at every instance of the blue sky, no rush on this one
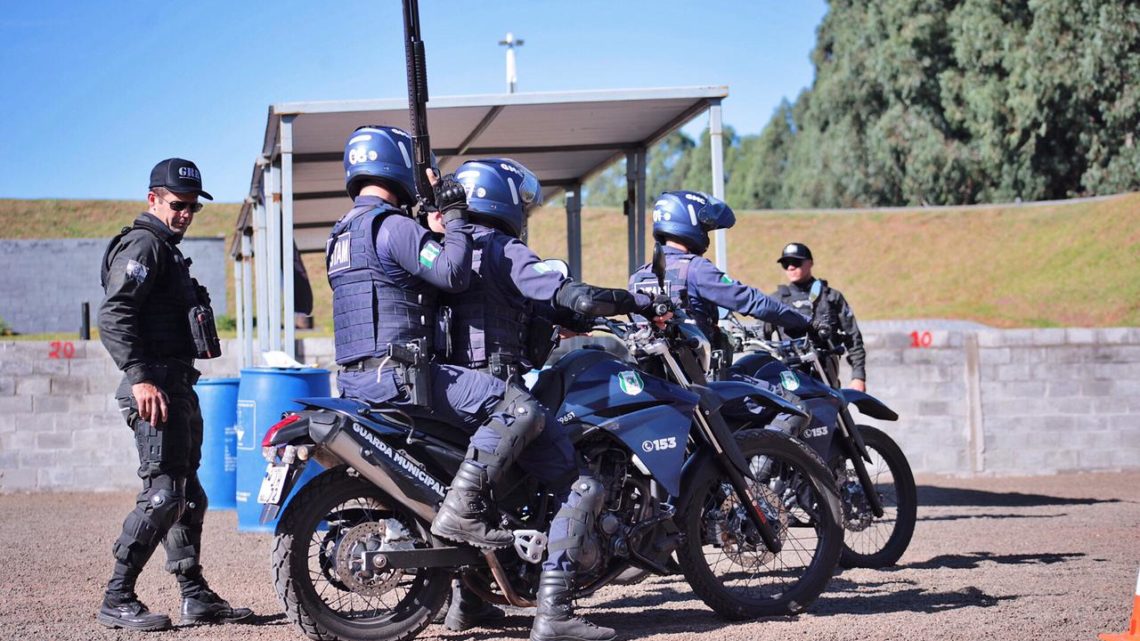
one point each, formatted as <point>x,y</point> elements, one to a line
<point>94,93</point>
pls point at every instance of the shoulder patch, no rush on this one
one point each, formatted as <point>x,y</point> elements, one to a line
<point>136,271</point>
<point>429,253</point>
<point>542,268</point>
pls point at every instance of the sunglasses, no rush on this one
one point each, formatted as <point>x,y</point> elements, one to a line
<point>179,205</point>
<point>792,264</point>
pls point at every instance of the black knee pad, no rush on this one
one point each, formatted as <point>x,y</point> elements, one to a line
<point>526,413</point>
<point>196,503</point>
<point>573,531</point>
<point>165,503</point>
<point>518,419</point>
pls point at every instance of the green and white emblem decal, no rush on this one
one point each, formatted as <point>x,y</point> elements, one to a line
<point>789,381</point>
<point>725,279</point>
<point>542,268</point>
<point>630,383</point>
<point>428,254</point>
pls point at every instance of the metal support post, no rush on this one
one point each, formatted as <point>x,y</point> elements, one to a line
<point>290,345</point>
<point>247,298</point>
<point>574,230</point>
<point>641,169</point>
<point>273,258</point>
<point>631,208</point>
<point>716,147</point>
<point>245,295</point>
<point>239,304</point>
<point>261,265</point>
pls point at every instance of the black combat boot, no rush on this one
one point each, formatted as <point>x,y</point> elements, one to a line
<point>126,611</point>
<point>555,620</point>
<point>467,610</point>
<point>464,515</point>
<point>208,607</point>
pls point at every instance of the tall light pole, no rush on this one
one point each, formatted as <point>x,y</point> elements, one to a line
<point>512,76</point>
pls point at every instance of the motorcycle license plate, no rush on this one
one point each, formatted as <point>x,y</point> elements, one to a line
<point>272,484</point>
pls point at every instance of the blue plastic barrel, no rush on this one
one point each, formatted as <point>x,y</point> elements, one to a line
<point>218,471</point>
<point>263,395</point>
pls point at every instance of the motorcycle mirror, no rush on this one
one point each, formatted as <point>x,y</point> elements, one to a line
<point>815,292</point>
<point>559,266</point>
<point>659,265</point>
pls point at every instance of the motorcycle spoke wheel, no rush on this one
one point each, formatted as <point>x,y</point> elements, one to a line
<point>724,558</point>
<point>321,577</point>
<point>870,541</point>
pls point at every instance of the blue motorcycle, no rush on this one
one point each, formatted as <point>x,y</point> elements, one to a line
<point>753,518</point>
<point>874,479</point>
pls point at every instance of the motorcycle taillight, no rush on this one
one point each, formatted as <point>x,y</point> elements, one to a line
<point>288,420</point>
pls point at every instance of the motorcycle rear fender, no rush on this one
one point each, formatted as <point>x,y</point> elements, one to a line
<point>869,405</point>
<point>293,433</point>
<point>735,390</point>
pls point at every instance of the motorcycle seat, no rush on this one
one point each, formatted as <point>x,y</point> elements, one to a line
<point>420,425</point>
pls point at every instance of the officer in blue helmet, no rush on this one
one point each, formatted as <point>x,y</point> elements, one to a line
<point>386,273</point>
<point>494,329</point>
<point>682,221</point>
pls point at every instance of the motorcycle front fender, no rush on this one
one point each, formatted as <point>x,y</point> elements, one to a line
<point>868,405</point>
<point>736,390</point>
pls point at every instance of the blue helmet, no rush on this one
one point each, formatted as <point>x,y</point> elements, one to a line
<point>380,153</point>
<point>501,191</point>
<point>688,217</point>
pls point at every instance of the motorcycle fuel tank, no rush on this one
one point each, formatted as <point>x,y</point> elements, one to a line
<point>650,415</point>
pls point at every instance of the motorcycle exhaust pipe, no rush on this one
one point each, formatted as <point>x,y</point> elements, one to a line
<point>390,470</point>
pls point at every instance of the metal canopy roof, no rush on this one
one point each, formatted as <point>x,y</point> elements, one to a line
<point>564,137</point>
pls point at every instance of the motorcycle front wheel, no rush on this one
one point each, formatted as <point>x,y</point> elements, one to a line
<point>870,541</point>
<point>723,557</point>
<point>318,568</point>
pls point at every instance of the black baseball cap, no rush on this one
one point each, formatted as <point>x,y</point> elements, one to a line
<point>179,176</point>
<point>798,251</point>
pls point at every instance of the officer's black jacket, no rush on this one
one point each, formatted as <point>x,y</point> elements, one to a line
<point>796,296</point>
<point>143,320</point>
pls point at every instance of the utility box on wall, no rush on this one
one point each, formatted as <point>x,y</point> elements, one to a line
<point>45,282</point>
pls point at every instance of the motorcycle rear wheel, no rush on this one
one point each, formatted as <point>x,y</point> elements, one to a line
<point>317,571</point>
<point>722,557</point>
<point>878,542</point>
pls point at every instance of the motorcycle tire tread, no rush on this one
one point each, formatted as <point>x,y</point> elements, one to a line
<point>878,441</point>
<point>329,483</point>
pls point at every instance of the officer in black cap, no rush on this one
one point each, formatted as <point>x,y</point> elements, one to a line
<point>797,262</point>
<point>154,321</point>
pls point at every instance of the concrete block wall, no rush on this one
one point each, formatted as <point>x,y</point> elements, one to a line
<point>46,281</point>
<point>60,427</point>
<point>1005,402</point>
<point>989,402</point>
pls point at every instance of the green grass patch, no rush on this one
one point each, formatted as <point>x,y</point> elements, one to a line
<point>1065,264</point>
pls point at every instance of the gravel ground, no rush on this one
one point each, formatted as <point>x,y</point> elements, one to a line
<point>1010,558</point>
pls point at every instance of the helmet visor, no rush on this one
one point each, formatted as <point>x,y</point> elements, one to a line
<point>716,215</point>
<point>528,189</point>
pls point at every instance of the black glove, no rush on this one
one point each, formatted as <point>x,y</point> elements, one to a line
<point>659,305</point>
<point>450,198</point>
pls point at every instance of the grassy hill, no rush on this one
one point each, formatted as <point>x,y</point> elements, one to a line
<point>1063,264</point>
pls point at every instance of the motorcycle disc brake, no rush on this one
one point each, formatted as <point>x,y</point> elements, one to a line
<point>739,547</point>
<point>349,560</point>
